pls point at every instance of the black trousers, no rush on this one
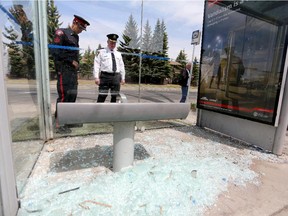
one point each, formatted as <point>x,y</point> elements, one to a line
<point>67,85</point>
<point>109,81</point>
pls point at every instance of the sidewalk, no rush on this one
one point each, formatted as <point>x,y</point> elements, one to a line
<point>180,170</point>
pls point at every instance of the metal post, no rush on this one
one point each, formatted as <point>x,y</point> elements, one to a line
<point>8,193</point>
<point>191,70</point>
<point>140,57</point>
<point>42,68</point>
<point>123,145</point>
<point>283,117</point>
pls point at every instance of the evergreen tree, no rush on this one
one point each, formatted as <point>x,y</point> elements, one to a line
<point>53,20</point>
<point>131,31</point>
<point>147,38</point>
<point>154,70</point>
<point>130,58</point>
<point>168,73</point>
<point>157,39</point>
<point>195,72</point>
<point>86,63</point>
<point>130,47</point>
<point>53,25</point>
<point>26,66</point>
<point>182,59</point>
<point>158,69</point>
<point>15,55</point>
<point>26,39</point>
<point>161,67</point>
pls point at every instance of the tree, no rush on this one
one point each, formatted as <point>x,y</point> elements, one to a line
<point>26,40</point>
<point>157,39</point>
<point>53,20</point>
<point>157,69</point>
<point>130,58</point>
<point>53,25</point>
<point>86,63</point>
<point>195,72</point>
<point>23,54</point>
<point>130,47</point>
<point>182,58</point>
<point>147,38</point>
<point>131,31</point>
<point>15,54</point>
<point>161,67</point>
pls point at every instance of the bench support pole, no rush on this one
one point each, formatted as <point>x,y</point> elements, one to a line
<point>123,144</point>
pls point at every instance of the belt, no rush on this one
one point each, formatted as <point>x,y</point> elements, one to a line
<point>109,73</point>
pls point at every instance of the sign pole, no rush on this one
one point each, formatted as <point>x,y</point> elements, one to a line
<point>191,72</point>
<point>195,41</point>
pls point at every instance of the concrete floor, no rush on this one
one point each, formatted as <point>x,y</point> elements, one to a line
<point>79,161</point>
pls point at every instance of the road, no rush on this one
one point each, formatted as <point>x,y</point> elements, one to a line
<point>27,94</point>
<point>22,97</point>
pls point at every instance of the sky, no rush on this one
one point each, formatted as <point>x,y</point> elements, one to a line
<point>181,18</point>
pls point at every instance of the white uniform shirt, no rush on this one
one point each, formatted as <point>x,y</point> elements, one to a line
<point>103,62</point>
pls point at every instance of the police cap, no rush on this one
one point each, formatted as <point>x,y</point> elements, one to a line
<point>81,21</point>
<point>113,37</point>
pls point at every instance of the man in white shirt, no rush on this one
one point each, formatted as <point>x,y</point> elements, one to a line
<point>109,70</point>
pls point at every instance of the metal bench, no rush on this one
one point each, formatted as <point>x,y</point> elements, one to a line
<point>124,117</point>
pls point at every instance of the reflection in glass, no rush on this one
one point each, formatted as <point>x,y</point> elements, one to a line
<point>242,59</point>
<point>21,87</point>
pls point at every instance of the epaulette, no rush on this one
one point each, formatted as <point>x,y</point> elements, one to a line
<point>99,50</point>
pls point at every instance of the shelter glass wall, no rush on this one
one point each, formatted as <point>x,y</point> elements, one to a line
<point>149,53</point>
<point>145,42</point>
<point>21,83</point>
<point>243,52</point>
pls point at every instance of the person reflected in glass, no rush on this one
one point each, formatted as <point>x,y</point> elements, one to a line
<point>215,62</point>
<point>109,70</point>
<point>184,82</point>
<point>66,61</point>
<point>232,71</point>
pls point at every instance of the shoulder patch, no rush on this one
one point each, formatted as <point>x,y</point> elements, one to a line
<point>59,32</point>
<point>57,40</point>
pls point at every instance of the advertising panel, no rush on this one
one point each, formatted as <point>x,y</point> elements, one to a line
<point>242,58</point>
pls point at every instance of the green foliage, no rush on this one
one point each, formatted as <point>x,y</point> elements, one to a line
<point>182,59</point>
<point>195,72</point>
<point>131,31</point>
<point>131,60</point>
<point>153,70</point>
<point>15,54</point>
<point>53,25</point>
<point>21,56</point>
<point>147,38</point>
<point>86,63</point>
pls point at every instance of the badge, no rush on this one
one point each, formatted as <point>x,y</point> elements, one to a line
<point>59,32</point>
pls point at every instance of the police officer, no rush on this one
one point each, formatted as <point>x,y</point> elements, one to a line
<point>66,60</point>
<point>109,70</point>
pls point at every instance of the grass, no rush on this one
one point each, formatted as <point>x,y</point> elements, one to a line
<point>29,130</point>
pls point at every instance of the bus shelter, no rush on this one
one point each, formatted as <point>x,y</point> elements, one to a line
<point>244,71</point>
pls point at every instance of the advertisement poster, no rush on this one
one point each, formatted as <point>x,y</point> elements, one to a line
<point>242,59</point>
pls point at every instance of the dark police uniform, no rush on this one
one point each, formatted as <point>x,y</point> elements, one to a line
<point>67,78</point>
<point>110,76</point>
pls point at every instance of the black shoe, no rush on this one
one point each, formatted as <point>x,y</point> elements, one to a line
<point>63,130</point>
<point>74,125</point>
